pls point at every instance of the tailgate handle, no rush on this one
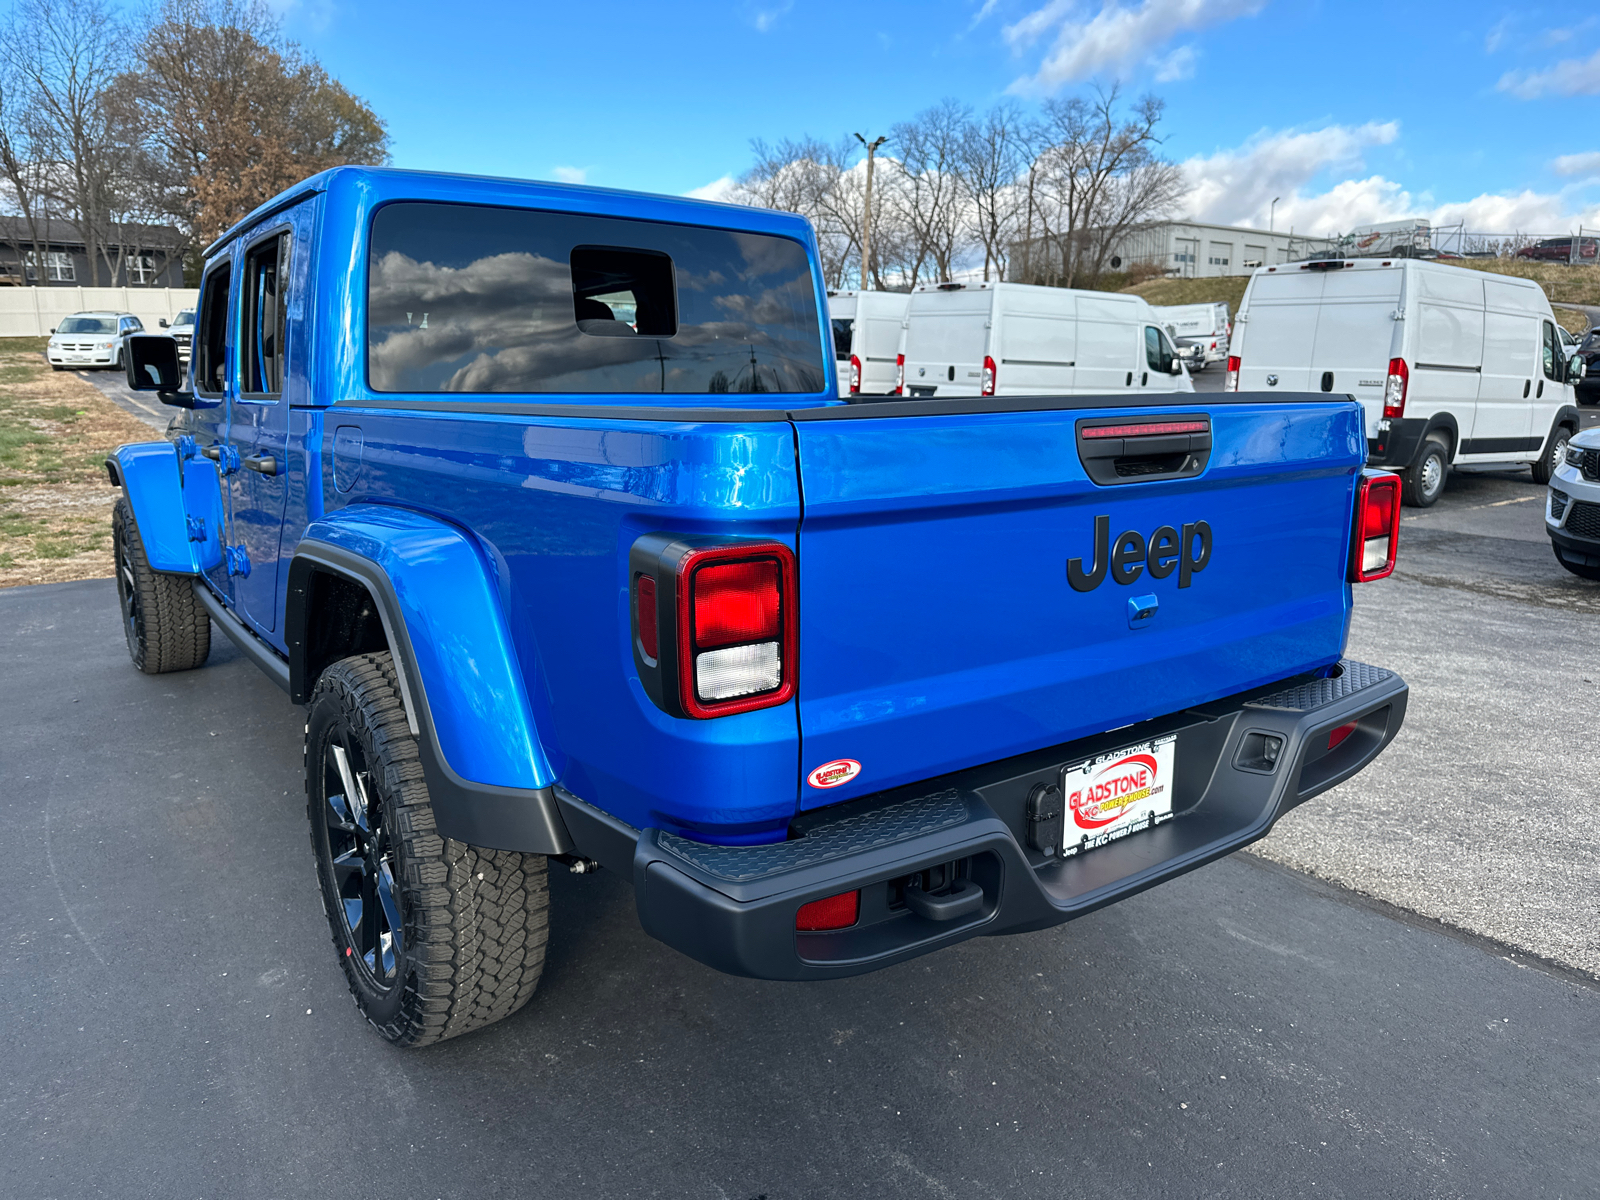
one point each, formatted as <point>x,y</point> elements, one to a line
<point>965,898</point>
<point>1117,450</point>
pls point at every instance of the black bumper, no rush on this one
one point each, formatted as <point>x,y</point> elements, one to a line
<point>733,907</point>
<point>1581,550</point>
<point>1397,443</point>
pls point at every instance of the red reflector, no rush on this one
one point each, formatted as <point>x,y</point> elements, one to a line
<point>836,912</point>
<point>1338,735</point>
<point>736,602</point>
<point>645,607</point>
<point>1146,429</point>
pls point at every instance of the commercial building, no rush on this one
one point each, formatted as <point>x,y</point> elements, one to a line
<point>1190,249</point>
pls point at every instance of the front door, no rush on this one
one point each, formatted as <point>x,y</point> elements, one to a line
<point>259,429</point>
<point>208,460</point>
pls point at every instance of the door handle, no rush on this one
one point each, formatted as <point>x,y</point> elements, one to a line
<point>212,452</point>
<point>264,463</point>
<point>1538,395</point>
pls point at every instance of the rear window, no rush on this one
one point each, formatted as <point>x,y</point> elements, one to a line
<point>465,298</point>
<point>841,338</point>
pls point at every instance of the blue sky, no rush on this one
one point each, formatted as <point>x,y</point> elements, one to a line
<point>1349,112</point>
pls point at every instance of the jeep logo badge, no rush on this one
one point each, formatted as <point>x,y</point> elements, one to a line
<point>1132,554</point>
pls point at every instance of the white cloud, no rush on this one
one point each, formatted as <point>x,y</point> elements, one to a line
<point>1177,66</point>
<point>1569,77</point>
<point>1497,36</point>
<point>766,18</point>
<point>1236,187</point>
<point>1587,163</point>
<point>570,174</point>
<point>717,189</point>
<point>1115,39</point>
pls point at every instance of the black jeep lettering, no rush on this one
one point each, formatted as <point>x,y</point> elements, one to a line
<point>1131,555</point>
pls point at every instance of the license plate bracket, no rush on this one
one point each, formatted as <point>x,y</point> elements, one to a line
<point>1117,793</point>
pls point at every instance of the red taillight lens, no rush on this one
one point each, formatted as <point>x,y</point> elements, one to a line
<point>1336,736</point>
<point>855,375</point>
<point>1394,391</point>
<point>1230,382</point>
<point>988,375</point>
<point>899,374</point>
<point>1377,527</point>
<point>736,628</point>
<point>736,602</point>
<point>645,612</point>
<point>835,912</point>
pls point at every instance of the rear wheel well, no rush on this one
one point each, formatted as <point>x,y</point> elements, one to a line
<point>341,618</point>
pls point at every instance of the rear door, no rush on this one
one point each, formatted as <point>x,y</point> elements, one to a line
<point>879,317</point>
<point>1356,336</point>
<point>1280,327</point>
<point>946,339</point>
<point>205,497</point>
<point>939,627</point>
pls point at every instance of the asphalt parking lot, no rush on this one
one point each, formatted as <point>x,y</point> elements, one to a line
<point>177,1025</point>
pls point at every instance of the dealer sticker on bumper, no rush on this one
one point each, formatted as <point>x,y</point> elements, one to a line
<point>1118,793</point>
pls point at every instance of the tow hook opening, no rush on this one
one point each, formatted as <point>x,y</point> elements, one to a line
<point>938,893</point>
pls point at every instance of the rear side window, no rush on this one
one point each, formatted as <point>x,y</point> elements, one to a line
<point>472,299</point>
<point>261,349</point>
<point>211,336</point>
<point>841,339</point>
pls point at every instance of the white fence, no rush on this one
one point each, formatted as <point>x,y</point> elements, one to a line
<point>35,311</point>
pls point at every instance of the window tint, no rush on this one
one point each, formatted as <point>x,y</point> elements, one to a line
<point>463,298</point>
<point>1550,357</point>
<point>87,325</point>
<point>211,337</point>
<point>266,268</point>
<point>1156,356</point>
<point>841,339</point>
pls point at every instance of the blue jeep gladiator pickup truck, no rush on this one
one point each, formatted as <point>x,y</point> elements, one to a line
<point>542,501</point>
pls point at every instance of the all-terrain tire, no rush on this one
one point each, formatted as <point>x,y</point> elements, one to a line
<point>165,624</point>
<point>473,923</point>
<point>1423,483</point>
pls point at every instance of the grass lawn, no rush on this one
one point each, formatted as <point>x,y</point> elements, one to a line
<point>55,498</point>
<point>1562,283</point>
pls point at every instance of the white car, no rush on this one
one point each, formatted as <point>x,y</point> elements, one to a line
<point>181,331</point>
<point>1455,368</point>
<point>91,339</point>
<point>1572,513</point>
<point>1015,339</point>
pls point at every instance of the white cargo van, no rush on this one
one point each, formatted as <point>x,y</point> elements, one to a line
<point>866,338</point>
<point>1200,332</point>
<point>1453,366</point>
<point>1014,339</point>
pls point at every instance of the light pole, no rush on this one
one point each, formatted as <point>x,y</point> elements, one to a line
<point>1272,213</point>
<point>866,215</point>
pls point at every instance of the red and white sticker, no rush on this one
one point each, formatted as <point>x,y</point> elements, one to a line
<point>834,774</point>
<point>1118,793</point>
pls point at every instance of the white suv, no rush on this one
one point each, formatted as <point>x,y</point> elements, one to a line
<point>1572,514</point>
<point>91,339</point>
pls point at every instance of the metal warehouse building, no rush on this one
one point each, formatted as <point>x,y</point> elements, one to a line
<point>1191,249</point>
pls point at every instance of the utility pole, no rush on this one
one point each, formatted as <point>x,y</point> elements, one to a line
<point>866,215</point>
<point>1272,213</point>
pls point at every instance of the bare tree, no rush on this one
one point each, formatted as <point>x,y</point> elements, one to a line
<point>65,53</point>
<point>928,192</point>
<point>25,165</point>
<point>1093,180</point>
<point>991,158</point>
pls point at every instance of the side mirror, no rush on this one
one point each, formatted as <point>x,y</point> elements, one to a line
<point>1176,367</point>
<point>1577,368</point>
<point>152,366</point>
<point>52,329</point>
<point>162,321</point>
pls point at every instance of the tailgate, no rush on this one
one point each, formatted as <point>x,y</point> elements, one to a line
<point>938,625</point>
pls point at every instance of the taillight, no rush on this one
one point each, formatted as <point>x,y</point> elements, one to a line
<point>988,375</point>
<point>834,912</point>
<point>899,374</point>
<point>1394,391</point>
<point>729,645</point>
<point>855,375</point>
<point>1230,382</point>
<point>1377,527</point>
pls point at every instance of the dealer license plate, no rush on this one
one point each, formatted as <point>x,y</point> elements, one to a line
<point>1117,793</point>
